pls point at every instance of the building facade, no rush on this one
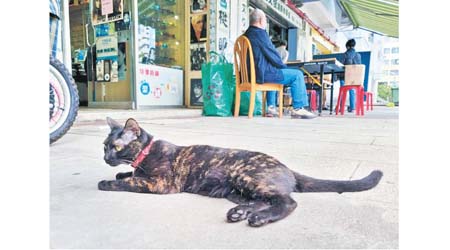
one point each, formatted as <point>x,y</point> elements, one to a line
<point>391,65</point>
<point>135,54</point>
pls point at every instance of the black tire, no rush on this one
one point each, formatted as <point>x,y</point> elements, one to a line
<point>63,99</point>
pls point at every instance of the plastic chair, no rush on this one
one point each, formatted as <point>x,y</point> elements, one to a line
<point>312,99</point>
<point>247,83</point>
<point>369,100</point>
<point>354,79</point>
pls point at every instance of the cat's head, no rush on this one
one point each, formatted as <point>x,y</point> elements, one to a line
<point>124,143</point>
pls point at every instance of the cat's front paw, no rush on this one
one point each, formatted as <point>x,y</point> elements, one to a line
<point>238,213</point>
<point>120,176</point>
<point>104,185</point>
<point>257,220</point>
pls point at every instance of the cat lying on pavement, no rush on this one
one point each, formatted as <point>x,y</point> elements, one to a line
<point>259,184</point>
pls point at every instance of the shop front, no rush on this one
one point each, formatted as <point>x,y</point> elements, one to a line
<point>282,24</point>
<point>135,54</point>
<point>102,52</point>
<point>160,42</point>
<point>128,54</point>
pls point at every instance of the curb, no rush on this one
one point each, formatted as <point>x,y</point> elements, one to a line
<point>90,115</point>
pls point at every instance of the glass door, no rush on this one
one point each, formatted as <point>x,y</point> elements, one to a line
<point>82,41</point>
<point>101,42</point>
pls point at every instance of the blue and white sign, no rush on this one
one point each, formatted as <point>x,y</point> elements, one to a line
<point>158,86</point>
<point>145,88</point>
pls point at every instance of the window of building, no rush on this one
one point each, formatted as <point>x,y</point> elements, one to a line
<point>386,62</point>
<point>394,50</point>
<point>395,61</point>
<point>394,72</point>
<point>387,51</point>
<point>386,72</point>
<point>315,50</point>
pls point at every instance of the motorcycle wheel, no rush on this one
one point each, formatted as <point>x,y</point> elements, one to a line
<point>63,100</point>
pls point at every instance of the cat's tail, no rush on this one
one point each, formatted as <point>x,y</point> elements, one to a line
<point>307,184</point>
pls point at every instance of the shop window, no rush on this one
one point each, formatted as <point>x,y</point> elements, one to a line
<point>160,33</point>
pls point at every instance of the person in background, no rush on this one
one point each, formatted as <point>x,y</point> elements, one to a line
<point>270,68</point>
<point>282,51</point>
<point>350,57</point>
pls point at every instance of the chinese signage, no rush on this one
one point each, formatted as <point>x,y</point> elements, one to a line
<point>107,7</point>
<point>104,11</point>
<point>243,21</point>
<point>281,8</point>
<point>107,59</point>
<point>220,28</point>
<point>223,23</point>
<point>158,86</point>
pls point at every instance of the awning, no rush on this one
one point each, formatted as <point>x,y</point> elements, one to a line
<point>379,16</point>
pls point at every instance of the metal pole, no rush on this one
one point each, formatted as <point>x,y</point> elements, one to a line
<point>321,89</point>
<point>65,33</point>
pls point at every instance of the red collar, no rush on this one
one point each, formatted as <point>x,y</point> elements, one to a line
<point>142,155</point>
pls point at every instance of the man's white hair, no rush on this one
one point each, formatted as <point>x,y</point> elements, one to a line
<point>256,15</point>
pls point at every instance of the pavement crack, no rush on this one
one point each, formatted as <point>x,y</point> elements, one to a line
<point>356,169</point>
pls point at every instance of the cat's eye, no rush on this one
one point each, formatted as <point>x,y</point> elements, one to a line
<point>118,147</point>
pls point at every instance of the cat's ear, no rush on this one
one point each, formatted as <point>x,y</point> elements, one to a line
<point>133,126</point>
<point>112,123</point>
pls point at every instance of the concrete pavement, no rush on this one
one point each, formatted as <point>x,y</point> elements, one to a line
<point>342,147</point>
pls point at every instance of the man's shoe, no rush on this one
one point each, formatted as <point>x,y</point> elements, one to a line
<point>349,109</point>
<point>302,113</point>
<point>272,111</point>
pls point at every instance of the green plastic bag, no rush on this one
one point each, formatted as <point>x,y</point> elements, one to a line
<point>217,81</point>
<point>245,103</point>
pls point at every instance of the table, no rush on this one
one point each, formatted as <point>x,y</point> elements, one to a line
<point>322,67</point>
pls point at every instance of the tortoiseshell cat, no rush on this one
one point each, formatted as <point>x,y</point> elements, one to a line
<point>257,182</point>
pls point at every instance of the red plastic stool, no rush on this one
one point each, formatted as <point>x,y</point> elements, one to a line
<point>369,100</point>
<point>313,100</point>
<point>359,92</point>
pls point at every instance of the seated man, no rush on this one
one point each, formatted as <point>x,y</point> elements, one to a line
<point>270,68</point>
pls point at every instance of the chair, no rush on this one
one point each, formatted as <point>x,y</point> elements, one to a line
<point>314,80</point>
<point>312,99</point>
<point>354,79</point>
<point>369,100</point>
<point>247,83</point>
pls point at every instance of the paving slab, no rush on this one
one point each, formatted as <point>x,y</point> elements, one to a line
<point>335,147</point>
